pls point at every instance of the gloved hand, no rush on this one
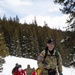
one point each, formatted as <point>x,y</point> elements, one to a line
<point>60,74</point>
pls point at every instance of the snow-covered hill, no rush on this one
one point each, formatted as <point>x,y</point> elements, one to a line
<point>11,60</point>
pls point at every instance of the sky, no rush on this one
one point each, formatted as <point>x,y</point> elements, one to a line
<point>10,62</point>
<point>26,10</point>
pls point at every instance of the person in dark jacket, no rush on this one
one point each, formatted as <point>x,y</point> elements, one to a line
<point>14,69</point>
<point>19,71</point>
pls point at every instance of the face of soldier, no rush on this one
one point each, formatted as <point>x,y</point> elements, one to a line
<point>50,46</point>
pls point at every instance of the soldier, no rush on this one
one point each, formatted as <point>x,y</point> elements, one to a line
<point>49,60</point>
<point>28,70</point>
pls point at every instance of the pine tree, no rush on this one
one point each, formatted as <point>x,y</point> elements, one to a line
<point>1,63</point>
<point>68,8</point>
<point>4,51</point>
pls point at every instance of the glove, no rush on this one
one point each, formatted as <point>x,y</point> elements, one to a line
<point>60,74</point>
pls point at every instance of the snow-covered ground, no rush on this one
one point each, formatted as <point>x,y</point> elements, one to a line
<point>11,60</point>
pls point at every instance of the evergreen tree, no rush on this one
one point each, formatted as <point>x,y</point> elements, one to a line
<point>68,8</point>
<point>28,40</point>
<point>4,51</point>
<point>1,63</point>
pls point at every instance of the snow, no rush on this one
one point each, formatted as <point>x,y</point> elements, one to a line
<point>62,40</point>
<point>12,60</point>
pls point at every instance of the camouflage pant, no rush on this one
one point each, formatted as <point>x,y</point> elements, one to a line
<point>49,72</point>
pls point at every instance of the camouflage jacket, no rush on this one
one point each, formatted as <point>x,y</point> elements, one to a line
<point>51,62</point>
<point>28,71</point>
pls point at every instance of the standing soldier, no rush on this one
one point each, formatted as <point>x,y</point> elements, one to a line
<point>49,60</point>
<point>28,70</point>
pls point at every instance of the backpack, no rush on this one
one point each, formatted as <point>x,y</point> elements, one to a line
<point>46,52</point>
<point>14,69</point>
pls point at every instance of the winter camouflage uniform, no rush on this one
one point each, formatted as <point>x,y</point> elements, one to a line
<point>51,62</point>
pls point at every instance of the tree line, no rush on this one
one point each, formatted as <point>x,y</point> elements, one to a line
<point>28,40</point>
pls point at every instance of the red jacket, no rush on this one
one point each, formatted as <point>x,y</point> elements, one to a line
<point>33,73</point>
<point>20,73</point>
